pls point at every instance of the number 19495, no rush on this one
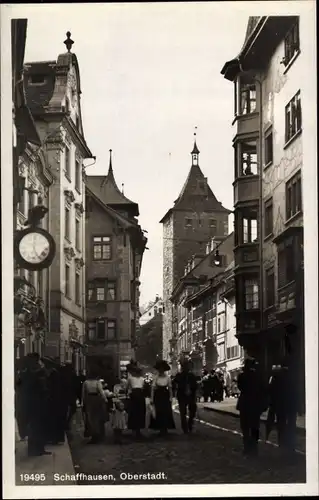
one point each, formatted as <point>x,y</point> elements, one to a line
<point>38,478</point>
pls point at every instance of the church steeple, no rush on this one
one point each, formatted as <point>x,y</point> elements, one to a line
<point>195,152</point>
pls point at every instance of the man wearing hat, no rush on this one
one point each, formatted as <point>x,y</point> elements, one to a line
<point>185,387</point>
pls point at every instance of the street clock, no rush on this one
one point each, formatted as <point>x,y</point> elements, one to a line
<point>34,249</point>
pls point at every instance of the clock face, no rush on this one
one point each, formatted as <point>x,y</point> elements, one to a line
<point>34,248</point>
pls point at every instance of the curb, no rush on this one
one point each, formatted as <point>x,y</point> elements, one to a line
<point>299,430</point>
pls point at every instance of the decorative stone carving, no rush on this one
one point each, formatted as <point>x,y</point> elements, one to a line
<point>79,263</point>
<point>22,168</point>
<point>69,253</point>
<point>79,208</point>
<point>69,196</point>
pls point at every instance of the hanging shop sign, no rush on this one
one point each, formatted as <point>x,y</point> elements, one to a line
<point>34,249</point>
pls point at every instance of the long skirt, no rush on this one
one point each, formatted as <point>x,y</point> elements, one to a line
<point>136,410</point>
<point>163,410</point>
<point>95,416</point>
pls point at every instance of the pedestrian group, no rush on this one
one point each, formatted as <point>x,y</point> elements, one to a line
<point>46,401</point>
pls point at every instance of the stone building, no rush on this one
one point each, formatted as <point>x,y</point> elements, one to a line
<point>268,78</point>
<point>53,92</point>
<point>197,310</point>
<point>31,182</point>
<point>155,307</point>
<point>195,217</point>
<point>115,245</point>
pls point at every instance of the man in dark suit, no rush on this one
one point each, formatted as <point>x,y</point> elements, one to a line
<point>184,389</point>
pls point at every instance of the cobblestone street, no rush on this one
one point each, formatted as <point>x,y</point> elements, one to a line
<point>210,455</point>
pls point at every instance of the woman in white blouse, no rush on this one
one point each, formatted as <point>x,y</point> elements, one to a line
<point>161,399</point>
<point>136,394</point>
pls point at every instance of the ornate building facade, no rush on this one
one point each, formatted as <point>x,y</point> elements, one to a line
<point>53,92</point>
<point>194,219</point>
<point>115,245</point>
<point>268,271</point>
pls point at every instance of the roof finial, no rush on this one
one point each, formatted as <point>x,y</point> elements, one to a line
<point>68,42</point>
<point>122,188</point>
<point>110,164</point>
<point>195,148</point>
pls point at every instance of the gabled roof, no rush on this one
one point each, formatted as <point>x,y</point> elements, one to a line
<point>48,96</point>
<point>106,189</point>
<point>124,221</point>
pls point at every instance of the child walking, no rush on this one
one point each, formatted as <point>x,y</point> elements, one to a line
<point>119,414</point>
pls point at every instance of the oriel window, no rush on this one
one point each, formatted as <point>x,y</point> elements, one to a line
<point>248,159</point>
<point>251,291</point>
<point>250,233</point>
<point>102,248</point>
<point>247,98</point>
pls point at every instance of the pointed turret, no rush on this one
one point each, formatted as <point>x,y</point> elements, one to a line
<point>195,152</point>
<point>106,189</point>
<point>196,191</point>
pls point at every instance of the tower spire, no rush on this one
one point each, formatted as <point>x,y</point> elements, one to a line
<point>195,151</point>
<point>110,163</point>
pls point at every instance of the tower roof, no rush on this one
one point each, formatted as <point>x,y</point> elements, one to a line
<point>106,189</point>
<point>196,194</point>
<point>195,149</point>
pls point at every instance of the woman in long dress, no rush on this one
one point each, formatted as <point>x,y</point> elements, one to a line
<point>161,400</point>
<point>136,403</point>
<point>94,408</point>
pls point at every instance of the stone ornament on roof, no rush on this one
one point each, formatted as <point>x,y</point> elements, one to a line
<point>68,42</point>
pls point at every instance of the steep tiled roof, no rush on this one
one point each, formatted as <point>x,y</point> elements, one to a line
<point>251,25</point>
<point>39,95</point>
<point>105,188</point>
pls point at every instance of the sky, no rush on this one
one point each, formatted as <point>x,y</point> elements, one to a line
<point>150,74</point>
